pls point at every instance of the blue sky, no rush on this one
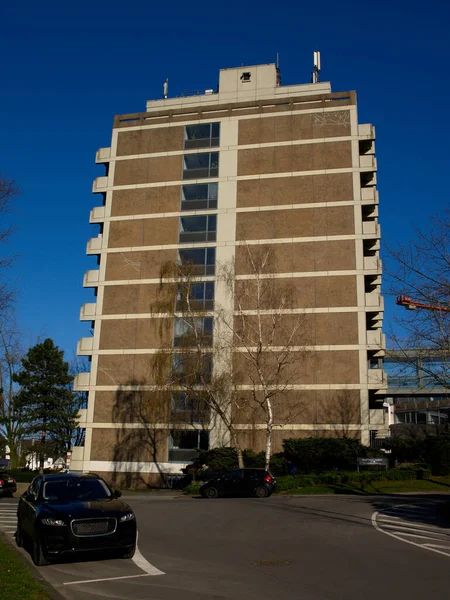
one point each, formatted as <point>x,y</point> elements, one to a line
<point>68,68</point>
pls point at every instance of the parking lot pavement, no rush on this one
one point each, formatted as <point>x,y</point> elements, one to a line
<point>307,548</point>
<point>86,576</point>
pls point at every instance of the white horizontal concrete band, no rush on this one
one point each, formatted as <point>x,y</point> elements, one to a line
<point>242,427</point>
<point>274,276</point>
<point>318,238</point>
<point>312,386</point>
<point>235,117</point>
<point>305,142</point>
<point>295,311</point>
<point>250,209</point>
<point>151,351</point>
<point>237,178</point>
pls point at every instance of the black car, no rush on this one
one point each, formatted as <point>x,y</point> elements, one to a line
<point>66,513</point>
<point>7,484</point>
<point>240,482</point>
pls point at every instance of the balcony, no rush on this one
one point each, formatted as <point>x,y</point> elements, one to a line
<point>102,155</point>
<point>366,131</point>
<point>375,300</point>
<point>368,161</point>
<point>100,184</point>
<point>81,382</point>
<point>91,278</point>
<point>372,263</point>
<point>369,195</point>
<point>375,338</point>
<point>87,311</point>
<point>85,346</point>
<point>97,214</point>
<point>94,245</point>
<point>371,228</point>
<point>377,377</point>
<point>82,416</point>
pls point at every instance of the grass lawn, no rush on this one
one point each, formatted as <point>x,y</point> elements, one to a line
<point>435,484</point>
<point>17,583</point>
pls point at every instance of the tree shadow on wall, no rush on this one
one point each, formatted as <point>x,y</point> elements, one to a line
<point>141,416</point>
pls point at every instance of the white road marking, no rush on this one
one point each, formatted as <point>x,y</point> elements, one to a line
<point>401,539</point>
<point>139,561</point>
<point>143,563</point>
<point>396,523</point>
<point>425,537</point>
<point>406,527</point>
<point>106,579</point>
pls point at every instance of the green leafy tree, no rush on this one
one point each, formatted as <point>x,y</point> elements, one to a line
<point>46,400</point>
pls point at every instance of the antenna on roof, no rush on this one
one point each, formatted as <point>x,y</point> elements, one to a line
<point>316,70</point>
<point>166,88</point>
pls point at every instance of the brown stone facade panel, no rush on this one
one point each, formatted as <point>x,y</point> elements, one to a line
<point>146,141</point>
<point>302,222</point>
<point>294,127</point>
<point>129,299</point>
<point>126,369</point>
<point>137,265</point>
<point>322,329</point>
<point>303,407</point>
<point>143,232</point>
<point>148,170</point>
<point>129,445</point>
<point>285,159</point>
<point>307,367</point>
<point>333,187</point>
<point>131,406</point>
<point>301,292</point>
<point>296,257</point>
<point>142,201</point>
<point>133,480</point>
<point>134,333</point>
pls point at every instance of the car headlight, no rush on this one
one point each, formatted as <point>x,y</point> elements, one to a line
<point>51,521</point>
<point>128,517</point>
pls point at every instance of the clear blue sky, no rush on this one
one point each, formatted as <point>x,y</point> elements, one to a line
<point>68,68</point>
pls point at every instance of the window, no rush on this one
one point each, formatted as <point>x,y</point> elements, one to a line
<point>188,409</point>
<point>246,76</point>
<point>203,260</point>
<point>205,135</point>
<point>189,368</point>
<point>199,196</point>
<point>197,166</point>
<point>190,332</point>
<point>200,296</point>
<point>198,228</point>
<point>184,445</point>
<point>434,371</point>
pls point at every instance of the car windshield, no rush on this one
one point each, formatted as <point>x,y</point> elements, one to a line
<point>73,490</point>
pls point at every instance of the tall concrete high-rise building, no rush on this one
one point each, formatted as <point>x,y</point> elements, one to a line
<point>201,179</point>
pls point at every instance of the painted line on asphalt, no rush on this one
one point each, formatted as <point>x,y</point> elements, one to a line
<point>376,526</point>
<point>397,524</point>
<point>143,563</point>
<point>106,579</point>
<point>413,528</point>
<point>139,561</point>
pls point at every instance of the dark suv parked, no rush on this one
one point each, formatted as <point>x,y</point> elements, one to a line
<point>240,482</point>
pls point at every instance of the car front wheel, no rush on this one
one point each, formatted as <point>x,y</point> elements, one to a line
<point>212,492</point>
<point>37,553</point>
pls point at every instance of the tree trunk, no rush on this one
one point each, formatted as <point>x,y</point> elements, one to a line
<point>238,449</point>
<point>269,430</point>
<point>41,454</point>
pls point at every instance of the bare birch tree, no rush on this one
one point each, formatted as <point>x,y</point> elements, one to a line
<point>250,361</point>
<point>420,273</point>
<point>12,427</point>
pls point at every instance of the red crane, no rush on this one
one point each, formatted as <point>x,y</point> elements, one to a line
<point>410,304</point>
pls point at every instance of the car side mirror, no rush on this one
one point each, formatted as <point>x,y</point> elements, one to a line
<point>117,493</point>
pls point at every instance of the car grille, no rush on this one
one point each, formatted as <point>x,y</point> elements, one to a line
<point>93,527</point>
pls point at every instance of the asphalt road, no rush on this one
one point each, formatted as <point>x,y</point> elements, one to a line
<point>311,548</point>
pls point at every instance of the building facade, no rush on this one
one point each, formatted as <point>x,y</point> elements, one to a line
<point>202,179</point>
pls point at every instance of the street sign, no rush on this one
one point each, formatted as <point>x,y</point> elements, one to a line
<point>373,462</point>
